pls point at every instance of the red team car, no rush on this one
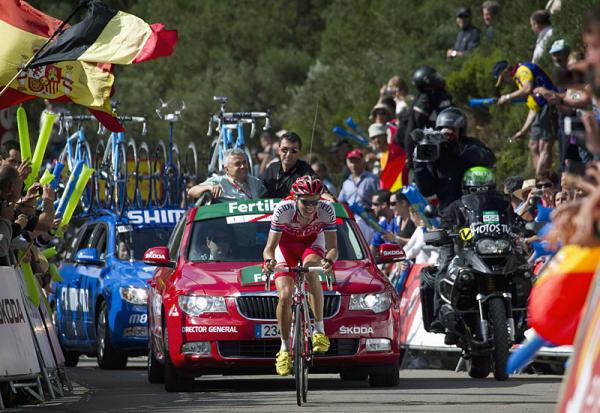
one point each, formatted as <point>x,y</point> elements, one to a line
<point>209,313</point>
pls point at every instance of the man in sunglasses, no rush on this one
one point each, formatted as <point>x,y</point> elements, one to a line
<point>280,176</point>
<point>303,232</point>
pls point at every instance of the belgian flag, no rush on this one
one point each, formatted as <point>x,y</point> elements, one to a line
<point>106,35</point>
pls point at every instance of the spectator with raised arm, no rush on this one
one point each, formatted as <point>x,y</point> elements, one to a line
<point>236,183</point>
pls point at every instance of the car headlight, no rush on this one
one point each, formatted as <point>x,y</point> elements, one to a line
<point>376,302</point>
<point>195,305</point>
<point>134,295</point>
<point>488,246</point>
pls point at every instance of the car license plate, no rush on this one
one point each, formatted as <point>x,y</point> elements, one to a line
<point>266,331</point>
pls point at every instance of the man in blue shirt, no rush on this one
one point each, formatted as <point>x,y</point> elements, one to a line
<point>360,186</point>
<point>385,215</point>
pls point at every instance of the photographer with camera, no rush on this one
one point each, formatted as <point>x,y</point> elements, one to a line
<point>431,100</point>
<point>443,156</point>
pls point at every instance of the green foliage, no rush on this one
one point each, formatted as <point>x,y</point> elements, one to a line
<point>293,55</point>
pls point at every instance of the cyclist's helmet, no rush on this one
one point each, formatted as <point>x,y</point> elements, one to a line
<point>478,179</point>
<point>427,78</point>
<point>452,117</point>
<point>307,185</point>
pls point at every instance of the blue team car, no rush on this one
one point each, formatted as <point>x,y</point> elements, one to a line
<point>100,305</point>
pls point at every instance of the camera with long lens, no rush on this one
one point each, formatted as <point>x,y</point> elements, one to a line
<point>428,143</point>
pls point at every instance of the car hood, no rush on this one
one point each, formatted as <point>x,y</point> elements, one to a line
<point>134,273</point>
<point>220,278</point>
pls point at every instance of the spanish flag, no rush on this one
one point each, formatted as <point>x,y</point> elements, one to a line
<point>558,296</point>
<point>394,174</point>
<point>23,30</point>
<point>106,35</point>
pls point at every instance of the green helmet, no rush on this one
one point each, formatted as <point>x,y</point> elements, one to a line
<point>478,178</point>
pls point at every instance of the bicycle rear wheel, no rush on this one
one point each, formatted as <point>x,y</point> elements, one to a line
<point>99,176</point>
<point>190,172</point>
<point>131,182</point>
<point>299,367</point>
<point>158,185</point>
<point>143,173</point>
<point>120,178</point>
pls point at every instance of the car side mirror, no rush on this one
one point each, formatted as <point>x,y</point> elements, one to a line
<point>435,238</point>
<point>88,256</point>
<point>159,257</point>
<point>389,253</point>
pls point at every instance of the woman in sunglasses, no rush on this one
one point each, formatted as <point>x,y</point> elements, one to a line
<point>302,226</point>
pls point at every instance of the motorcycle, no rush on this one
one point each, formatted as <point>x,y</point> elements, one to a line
<point>482,298</point>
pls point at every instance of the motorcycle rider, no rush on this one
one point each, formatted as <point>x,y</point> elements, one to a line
<point>457,153</point>
<point>431,100</point>
<point>477,180</point>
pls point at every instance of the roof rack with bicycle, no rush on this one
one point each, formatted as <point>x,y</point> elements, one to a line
<point>230,129</point>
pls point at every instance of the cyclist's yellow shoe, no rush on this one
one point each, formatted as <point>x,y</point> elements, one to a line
<point>320,343</point>
<point>283,365</point>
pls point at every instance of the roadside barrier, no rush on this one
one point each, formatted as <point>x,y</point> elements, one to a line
<point>30,351</point>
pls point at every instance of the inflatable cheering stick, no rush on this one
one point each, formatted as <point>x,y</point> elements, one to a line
<point>69,188</point>
<point>40,148</point>
<point>82,181</point>
<point>24,140</point>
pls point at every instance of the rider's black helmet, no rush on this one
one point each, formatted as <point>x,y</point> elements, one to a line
<point>427,79</point>
<point>452,117</point>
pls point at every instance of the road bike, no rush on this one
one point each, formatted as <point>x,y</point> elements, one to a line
<point>231,134</point>
<point>76,149</point>
<point>301,333</point>
<point>169,178</point>
<point>116,163</point>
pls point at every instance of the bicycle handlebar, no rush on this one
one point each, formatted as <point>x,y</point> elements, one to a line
<point>297,270</point>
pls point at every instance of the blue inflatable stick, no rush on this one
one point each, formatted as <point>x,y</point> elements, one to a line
<point>69,188</point>
<point>490,101</point>
<point>352,125</point>
<point>57,171</point>
<point>418,202</point>
<point>338,130</point>
<point>524,354</point>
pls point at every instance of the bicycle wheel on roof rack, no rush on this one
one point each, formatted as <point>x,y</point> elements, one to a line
<point>99,177</point>
<point>131,162</point>
<point>190,173</point>
<point>119,177</point>
<point>158,181</point>
<point>87,199</point>
<point>173,178</point>
<point>143,172</point>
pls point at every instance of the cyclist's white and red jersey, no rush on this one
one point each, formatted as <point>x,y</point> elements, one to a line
<point>298,241</point>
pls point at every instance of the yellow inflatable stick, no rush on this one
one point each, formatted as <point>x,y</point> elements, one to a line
<point>40,148</point>
<point>24,141</point>
<point>46,178</point>
<point>30,283</point>
<point>49,252</point>
<point>86,173</point>
<point>54,273</point>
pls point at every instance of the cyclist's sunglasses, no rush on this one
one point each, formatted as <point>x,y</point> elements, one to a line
<point>308,202</point>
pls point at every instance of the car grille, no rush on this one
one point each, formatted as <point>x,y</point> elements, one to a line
<point>263,307</point>
<point>269,348</point>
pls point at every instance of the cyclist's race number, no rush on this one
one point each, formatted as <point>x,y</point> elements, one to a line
<point>266,331</point>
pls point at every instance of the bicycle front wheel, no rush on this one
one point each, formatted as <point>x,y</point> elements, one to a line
<point>300,373</point>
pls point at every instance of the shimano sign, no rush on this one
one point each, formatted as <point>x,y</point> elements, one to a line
<point>154,217</point>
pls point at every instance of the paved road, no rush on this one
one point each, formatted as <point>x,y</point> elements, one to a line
<point>419,391</point>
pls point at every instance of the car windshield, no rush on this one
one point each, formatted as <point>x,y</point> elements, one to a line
<point>235,239</point>
<point>141,239</point>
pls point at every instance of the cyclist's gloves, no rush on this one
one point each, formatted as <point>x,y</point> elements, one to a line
<point>269,265</point>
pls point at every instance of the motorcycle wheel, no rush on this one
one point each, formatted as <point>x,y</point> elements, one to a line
<point>479,366</point>
<point>501,338</point>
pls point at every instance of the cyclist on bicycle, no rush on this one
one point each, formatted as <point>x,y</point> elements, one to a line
<point>303,232</point>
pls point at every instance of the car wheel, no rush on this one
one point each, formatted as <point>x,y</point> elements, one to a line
<point>108,356</point>
<point>156,371</point>
<point>354,375</point>
<point>175,380</point>
<point>71,358</point>
<point>385,376</point>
